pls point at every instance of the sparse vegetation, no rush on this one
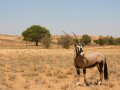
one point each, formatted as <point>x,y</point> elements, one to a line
<point>65,42</point>
<point>117,40</point>
<point>46,41</point>
<point>86,39</point>
<point>54,69</point>
<point>108,40</point>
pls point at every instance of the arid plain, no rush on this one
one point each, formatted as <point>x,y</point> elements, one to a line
<point>24,66</point>
<point>53,69</point>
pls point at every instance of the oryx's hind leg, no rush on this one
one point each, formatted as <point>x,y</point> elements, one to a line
<point>100,68</point>
<point>78,73</point>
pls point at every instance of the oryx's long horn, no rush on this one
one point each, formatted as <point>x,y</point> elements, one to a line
<point>76,38</point>
<point>70,38</point>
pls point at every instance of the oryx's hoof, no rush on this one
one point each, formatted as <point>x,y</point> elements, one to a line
<point>84,84</point>
<point>78,83</point>
<point>99,83</point>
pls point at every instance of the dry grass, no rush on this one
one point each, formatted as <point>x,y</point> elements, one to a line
<point>53,69</point>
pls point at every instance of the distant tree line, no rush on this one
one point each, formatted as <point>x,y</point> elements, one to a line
<point>37,34</point>
<point>65,42</point>
<point>108,40</point>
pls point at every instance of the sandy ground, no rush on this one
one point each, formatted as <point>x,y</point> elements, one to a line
<point>53,69</point>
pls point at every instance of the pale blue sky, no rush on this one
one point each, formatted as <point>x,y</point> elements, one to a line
<point>93,17</point>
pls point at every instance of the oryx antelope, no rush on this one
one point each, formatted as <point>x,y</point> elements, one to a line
<point>83,60</point>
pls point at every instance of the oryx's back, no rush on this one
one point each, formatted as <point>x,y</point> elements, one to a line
<point>94,56</point>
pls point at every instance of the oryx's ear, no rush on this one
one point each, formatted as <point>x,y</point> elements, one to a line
<point>82,45</point>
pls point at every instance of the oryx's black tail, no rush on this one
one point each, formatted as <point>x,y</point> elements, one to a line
<point>105,71</point>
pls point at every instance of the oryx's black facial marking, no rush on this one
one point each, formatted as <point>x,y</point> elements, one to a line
<point>79,50</point>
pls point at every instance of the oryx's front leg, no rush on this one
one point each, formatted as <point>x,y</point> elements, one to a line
<point>84,75</point>
<point>78,73</point>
